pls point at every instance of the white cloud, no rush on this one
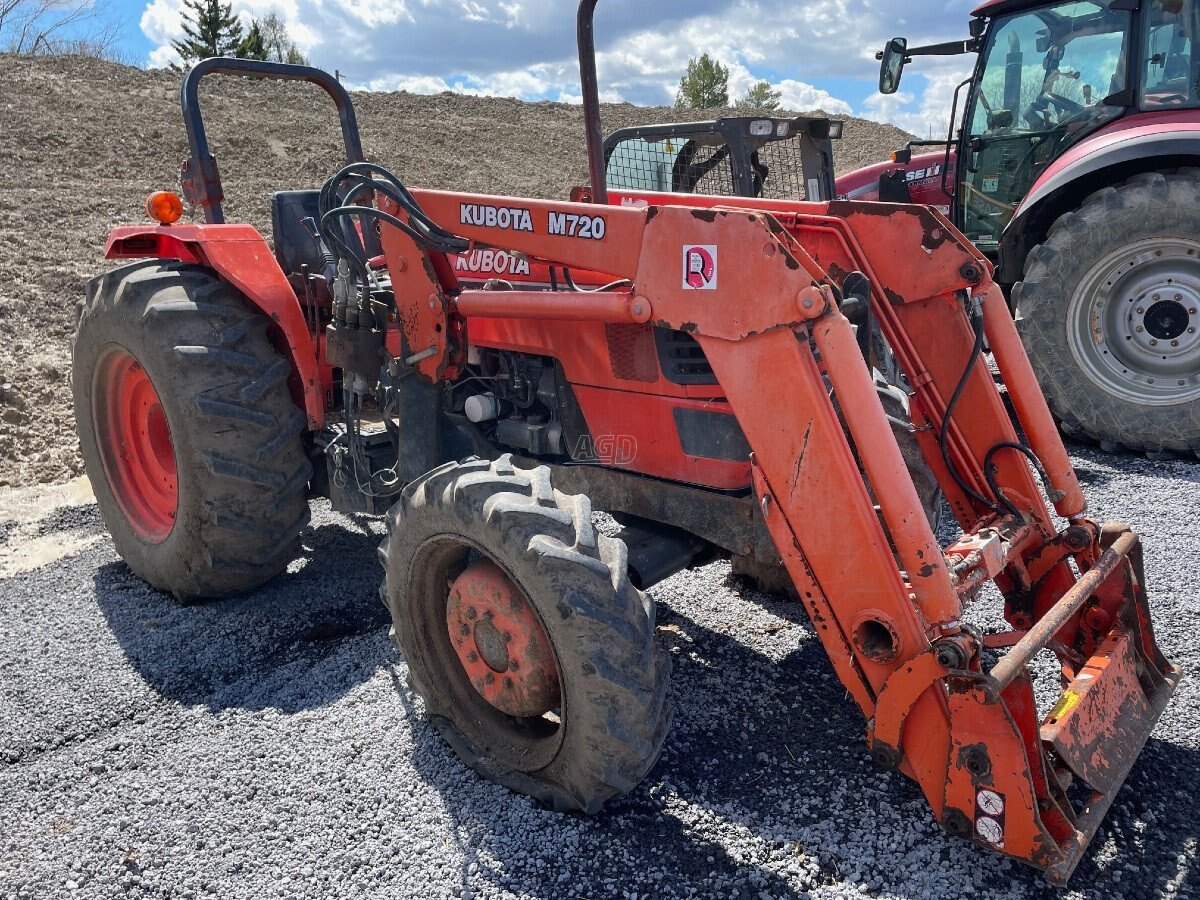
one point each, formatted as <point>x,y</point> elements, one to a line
<point>819,54</point>
<point>927,115</point>
<point>801,96</point>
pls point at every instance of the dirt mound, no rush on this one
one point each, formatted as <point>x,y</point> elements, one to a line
<point>82,142</point>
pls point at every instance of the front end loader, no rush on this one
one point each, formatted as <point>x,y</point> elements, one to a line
<point>687,363</point>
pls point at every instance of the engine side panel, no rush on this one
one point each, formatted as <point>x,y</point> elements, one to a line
<point>636,418</point>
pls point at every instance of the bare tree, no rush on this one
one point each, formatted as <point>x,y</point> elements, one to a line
<point>58,28</point>
<point>280,46</point>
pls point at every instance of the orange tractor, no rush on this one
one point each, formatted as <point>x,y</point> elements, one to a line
<point>687,363</point>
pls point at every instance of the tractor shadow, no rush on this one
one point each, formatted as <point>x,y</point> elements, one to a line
<point>1096,468</point>
<point>773,748</point>
<point>260,650</point>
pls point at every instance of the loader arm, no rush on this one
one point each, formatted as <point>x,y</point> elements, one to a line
<point>754,284</point>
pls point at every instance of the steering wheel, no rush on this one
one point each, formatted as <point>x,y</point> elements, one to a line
<point>1065,105</point>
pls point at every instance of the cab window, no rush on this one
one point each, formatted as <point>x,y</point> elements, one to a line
<point>1169,78</point>
<point>1049,79</point>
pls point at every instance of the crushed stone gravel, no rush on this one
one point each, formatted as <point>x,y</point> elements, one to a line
<point>267,747</point>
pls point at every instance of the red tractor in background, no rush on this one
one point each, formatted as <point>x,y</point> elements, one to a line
<point>1076,170</point>
<point>689,364</point>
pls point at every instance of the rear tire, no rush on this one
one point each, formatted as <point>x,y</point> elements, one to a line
<point>234,447</point>
<point>612,676</point>
<point>1109,311</point>
<point>773,578</point>
<point>896,406</point>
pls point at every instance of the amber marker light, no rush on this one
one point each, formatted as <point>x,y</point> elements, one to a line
<point>164,207</point>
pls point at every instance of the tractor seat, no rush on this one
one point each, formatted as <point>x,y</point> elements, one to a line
<point>294,246</point>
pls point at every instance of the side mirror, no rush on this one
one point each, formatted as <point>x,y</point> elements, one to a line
<point>1000,120</point>
<point>894,56</point>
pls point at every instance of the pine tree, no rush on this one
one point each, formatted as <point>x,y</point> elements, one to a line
<point>209,29</point>
<point>761,96</point>
<point>705,85</point>
<point>253,45</point>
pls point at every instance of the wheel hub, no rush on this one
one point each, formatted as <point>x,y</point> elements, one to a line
<point>492,646</point>
<point>500,642</point>
<point>1167,319</point>
<point>1134,322</point>
<point>135,445</point>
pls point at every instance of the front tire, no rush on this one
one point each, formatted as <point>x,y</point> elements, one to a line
<point>188,431</point>
<point>1109,311</point>
<point>566,700</point>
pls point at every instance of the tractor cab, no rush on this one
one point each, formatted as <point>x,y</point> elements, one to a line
<point>1048,75</point>
<point>1069,103</point>
<point>736,156</point>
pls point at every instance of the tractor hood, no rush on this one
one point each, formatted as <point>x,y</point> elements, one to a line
<point>922,177</point>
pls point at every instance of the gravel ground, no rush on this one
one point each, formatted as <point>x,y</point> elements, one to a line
<point>267,747</point>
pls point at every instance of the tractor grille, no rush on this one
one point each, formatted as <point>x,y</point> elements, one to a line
<point>682,358</point>
<point>631,352</point>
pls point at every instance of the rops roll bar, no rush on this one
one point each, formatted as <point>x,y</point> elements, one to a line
<point>585,32</point>
<point>201,180</point>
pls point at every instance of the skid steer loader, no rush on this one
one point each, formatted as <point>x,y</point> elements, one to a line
<point>220,384</point>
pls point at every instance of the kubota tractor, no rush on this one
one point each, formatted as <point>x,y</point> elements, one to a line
<point>1076,169</point>
<point>684,362</point>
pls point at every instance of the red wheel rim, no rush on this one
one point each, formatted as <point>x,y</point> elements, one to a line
<point>501,643</point>
<point>135,445</point>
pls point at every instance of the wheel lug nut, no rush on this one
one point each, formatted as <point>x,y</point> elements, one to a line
<point>1174,343</point>
<point>1141,311</point>
<point>1154,343</point>
<point>1158,296</point>
<point>1140,329</point>
<point>1192,311</point>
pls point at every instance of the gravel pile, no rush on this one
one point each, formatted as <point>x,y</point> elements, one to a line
<point>82,142</point>
<point>267,747</point>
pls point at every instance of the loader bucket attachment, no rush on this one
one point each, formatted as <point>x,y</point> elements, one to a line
<point>1038,789</point>
<point>1111,701</point>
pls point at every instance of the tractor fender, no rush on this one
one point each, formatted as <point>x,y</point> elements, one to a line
<point>239,255</point>
<point>1140,143</point>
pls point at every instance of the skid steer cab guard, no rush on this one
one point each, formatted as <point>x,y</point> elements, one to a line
<point>764,291</point>
<point>739,156</point>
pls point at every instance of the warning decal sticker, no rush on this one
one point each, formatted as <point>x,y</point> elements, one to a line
<point>989,816</point>
<point>700,267</point>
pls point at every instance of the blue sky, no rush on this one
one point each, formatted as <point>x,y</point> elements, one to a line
<point>820,53</point>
